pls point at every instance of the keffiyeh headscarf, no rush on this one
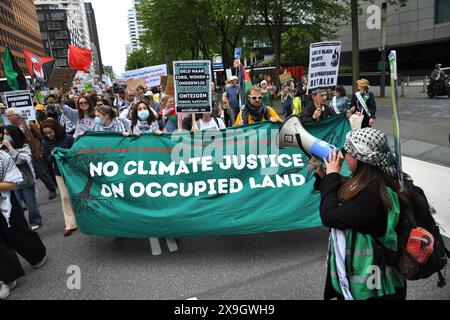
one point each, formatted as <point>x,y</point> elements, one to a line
<point>371,146</point>
<point>8,173</point>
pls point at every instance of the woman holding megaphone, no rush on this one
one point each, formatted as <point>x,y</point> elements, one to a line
<point>357,209</point>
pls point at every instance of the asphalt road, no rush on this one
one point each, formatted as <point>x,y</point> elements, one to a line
<point>287,265</point>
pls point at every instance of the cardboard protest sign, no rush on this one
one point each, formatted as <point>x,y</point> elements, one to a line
<point>132,84</point>
<point>286,77</point>
<point>192,86</point>
<point>62,77</point>
<point>324,65</point>
<point>21,100</point>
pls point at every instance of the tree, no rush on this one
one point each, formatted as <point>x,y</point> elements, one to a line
<point>280,15</point>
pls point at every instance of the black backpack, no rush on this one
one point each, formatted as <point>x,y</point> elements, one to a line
<point>419,214</point>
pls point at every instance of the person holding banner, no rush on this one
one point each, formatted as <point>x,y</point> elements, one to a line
<point>106,119</point>
<point>15,235</point>
<point>143,120</point>
<point>255,110</point>
<point>363,104</point>
<point>358,209</point>
<point>169,112</point>
<point>233,99</point>
<point>55,136</point>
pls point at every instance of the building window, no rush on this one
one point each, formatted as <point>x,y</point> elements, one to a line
<point>58,44</point>
<point>61,35</point>
<point>442,11</point>
<point>62,53</point>
<point>53,26</point>
<point>40,16</point>
<point>61,63</point>
<point>57,16</point>
<point>44,35</point>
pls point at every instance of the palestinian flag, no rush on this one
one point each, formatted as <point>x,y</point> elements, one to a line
<point>40,68</point>
<point>14,76</point>
<point>245,83</point>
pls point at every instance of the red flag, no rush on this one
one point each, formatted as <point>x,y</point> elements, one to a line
<point>80,59</point>
<point>40,67</point>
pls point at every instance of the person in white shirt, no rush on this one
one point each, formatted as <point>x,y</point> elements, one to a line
<point>207,121</point>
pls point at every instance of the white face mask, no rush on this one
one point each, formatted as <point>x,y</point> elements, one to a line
<point>143,115</point>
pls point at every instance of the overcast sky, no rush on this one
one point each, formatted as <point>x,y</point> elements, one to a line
<point>112,27</point>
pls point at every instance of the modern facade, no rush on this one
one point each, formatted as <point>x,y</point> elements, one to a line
<point>419,31</point>
<point>96,53</point>
<point>55,32</point>
<point>19,30</point>
<point>77,12</point>
<point>135,28</point>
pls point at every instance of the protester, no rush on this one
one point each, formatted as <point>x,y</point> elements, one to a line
<point>34,138</point>
<point>162,92</point>
<point>3,118</point>
<point>119,101</point>
<point>316,109</point>
<point>83,117</point>
<point>302,90</point>
<point>144,120</point>
<point>255,110</point>
<point>16,146</point>
<point>140,90</point>
<point>225,108</point>
<point>169,113</point>
<point>340,103</point>
<point>15,235</point>
<point>55,136</point>
<point>209,121</point>
<point>51,109</point>
<point>363,103</point>
<point>65,121</point>
<point>286,100</point>
<point>233,99</point>
<point>266,94</point>
<point>148,98</point>
<point>106,119</point>
<point>359,208</point>
<point>41,114</point>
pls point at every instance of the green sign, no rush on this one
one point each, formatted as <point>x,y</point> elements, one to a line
<point>227,182</point>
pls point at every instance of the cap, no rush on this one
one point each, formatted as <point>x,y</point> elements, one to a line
<point>148,94</point>
<point>234,78</point>
<point>39,107</point>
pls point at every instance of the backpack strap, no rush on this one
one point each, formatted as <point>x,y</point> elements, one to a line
<point>217,122</point>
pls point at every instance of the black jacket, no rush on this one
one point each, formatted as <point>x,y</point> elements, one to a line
<point>365,213</point>
<point>49,145</point>
<point>308,112</point>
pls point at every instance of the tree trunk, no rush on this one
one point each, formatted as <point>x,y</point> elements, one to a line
<point>277,52</point>
<point>355,44</point>
<point>86,193</point>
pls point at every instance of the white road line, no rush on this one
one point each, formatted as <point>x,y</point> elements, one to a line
<point>435,181</point>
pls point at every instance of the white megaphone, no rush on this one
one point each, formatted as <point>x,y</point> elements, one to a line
<point>292,134</point>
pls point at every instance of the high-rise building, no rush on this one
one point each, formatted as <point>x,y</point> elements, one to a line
<point>55,32</point>
<point>77,12</point>
<point>96,54</point>
<point>19,30</point>
<point>135,27</point>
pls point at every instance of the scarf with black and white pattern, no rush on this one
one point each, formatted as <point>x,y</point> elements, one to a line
<point>8,173</point>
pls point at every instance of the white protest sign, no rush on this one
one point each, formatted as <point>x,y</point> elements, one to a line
<point>151,75</point>
<point>21,100</point>
<point>324,60</point>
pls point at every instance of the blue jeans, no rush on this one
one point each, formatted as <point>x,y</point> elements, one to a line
<point>28,195</point>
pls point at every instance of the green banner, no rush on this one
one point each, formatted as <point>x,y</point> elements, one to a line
<point>212,183</point>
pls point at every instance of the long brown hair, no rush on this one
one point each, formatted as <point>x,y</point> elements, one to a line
<point>366,174</point>
<point>90,112</point>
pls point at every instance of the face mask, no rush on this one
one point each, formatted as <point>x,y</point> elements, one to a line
<point>143,115</point>
<point>99,121</point>
<point>8,138</point>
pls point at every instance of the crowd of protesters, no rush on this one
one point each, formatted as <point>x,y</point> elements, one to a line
<point>27,148</point>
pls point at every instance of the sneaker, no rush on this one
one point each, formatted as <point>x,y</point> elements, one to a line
<point>40,263</point>
<point>35,228</point>
<point>51,195</point>
<point>5,289</point>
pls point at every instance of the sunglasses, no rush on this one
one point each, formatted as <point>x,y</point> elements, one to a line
<point>256,98</point>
